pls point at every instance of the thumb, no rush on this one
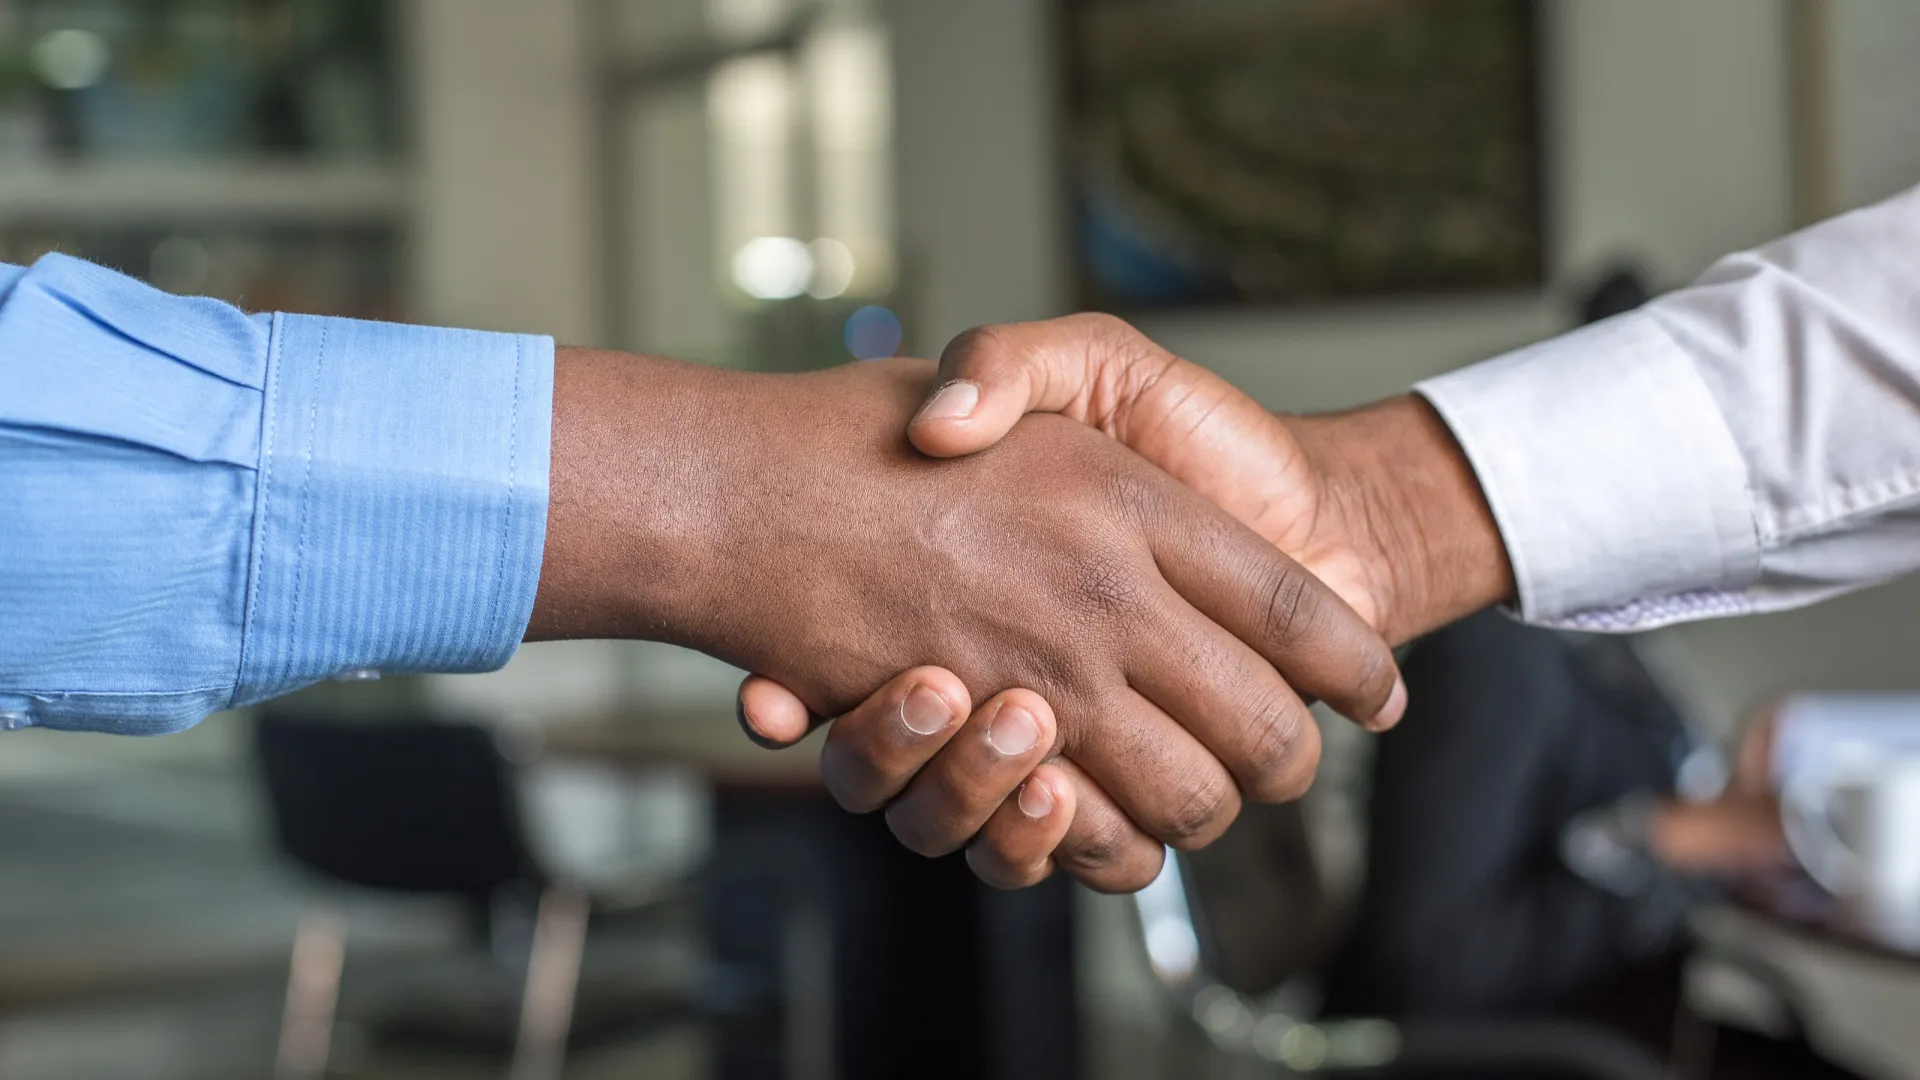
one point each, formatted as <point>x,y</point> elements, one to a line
<point>772,715</point>
<point>992,376</point>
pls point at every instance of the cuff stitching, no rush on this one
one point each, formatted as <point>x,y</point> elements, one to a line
<point>513,477</point>
<point>1844,505</point>
<point>270,418</point>
<point>306,484</point>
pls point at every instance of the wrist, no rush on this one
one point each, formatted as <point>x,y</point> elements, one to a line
<point>632,503</point>
<point>1405,496</point>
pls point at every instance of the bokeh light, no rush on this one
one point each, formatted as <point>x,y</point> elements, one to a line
<point>773,268</point>
<point>71,59</point>
<point>179,265</point>
<point>874,333</point>
<point>833,269</point>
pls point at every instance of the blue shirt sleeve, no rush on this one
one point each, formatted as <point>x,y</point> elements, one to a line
<point>201,509</point>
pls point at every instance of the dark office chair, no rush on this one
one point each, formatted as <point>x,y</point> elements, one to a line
<point>423,807</point>
<point>1235,933</point>
<point>412,806</point>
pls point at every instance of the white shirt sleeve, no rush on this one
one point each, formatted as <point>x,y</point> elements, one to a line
<point>1747,444</point>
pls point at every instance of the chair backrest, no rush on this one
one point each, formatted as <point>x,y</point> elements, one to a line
<point>415,805</point>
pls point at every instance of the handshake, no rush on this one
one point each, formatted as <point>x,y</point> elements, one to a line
<point>1130,599</point>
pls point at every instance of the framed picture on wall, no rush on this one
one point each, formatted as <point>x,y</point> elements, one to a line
<point>1237,152</point>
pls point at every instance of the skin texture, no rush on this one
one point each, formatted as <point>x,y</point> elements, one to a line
<point>784,524</point>
<point>1379,503</point>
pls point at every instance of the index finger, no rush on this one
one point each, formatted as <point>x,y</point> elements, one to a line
<point>773,716</point>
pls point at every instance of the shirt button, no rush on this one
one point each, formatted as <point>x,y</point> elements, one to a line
<point>11,720</point>
<point>365,674</point>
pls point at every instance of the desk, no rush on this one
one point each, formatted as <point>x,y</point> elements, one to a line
<point>887,964</point>
<point>1856,1003</point>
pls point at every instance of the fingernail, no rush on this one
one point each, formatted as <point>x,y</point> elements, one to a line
<point>1395,707</point>
<point>955,401</point>
<point>925,712</point>
<point>1013,731</point>
<point>740,714</point>
<point>1036,799</point>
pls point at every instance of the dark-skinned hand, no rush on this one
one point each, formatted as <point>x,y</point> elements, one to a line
<point>785,524</point>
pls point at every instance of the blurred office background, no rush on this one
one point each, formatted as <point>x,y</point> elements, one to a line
<point>778,184</point>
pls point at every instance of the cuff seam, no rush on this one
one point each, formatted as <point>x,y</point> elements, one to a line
<point>1738,567</point>
<point>513,478</point>
<point>262,498</point>
<point>306,479</point>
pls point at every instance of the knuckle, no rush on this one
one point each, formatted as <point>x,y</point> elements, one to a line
<point>1063,676</point>
<point>974,346</point>
<point>852,778</point>
<point>1289,775</point>
<point>1373,682</point>
<point>1128,360</point>
<point>959,798</point>
<point>1208,805</point>
<point>1027,878</point>
<point>1133,877</point>
<point>1377,674</point>
<point>917,834</point>
<point>994,867</point>
<point>1273,747</point>
<point>852,799</point>
<point>1101,847</point>
<point>990,866</point>
<point>1292,610</point>
<point>1306,768</point>
<point>1129,488</point>
<point>1108,589</point>
<point>1118,336</point>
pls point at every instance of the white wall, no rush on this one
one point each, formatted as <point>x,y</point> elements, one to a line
<point>504,134</point>
<point>1876,99</point>
<point>974,132</point>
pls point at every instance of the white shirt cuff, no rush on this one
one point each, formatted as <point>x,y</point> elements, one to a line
<point>1621,495</point>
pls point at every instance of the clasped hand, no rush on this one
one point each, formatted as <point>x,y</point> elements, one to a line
<point>949,774</point>
<point>1124,645</point>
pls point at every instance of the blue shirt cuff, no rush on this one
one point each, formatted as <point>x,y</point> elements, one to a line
<point>401,507</point>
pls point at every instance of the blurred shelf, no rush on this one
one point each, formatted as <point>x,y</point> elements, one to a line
<point>99,193</point>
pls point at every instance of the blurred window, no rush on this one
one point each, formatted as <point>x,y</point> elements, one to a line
<point>801,150</point>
